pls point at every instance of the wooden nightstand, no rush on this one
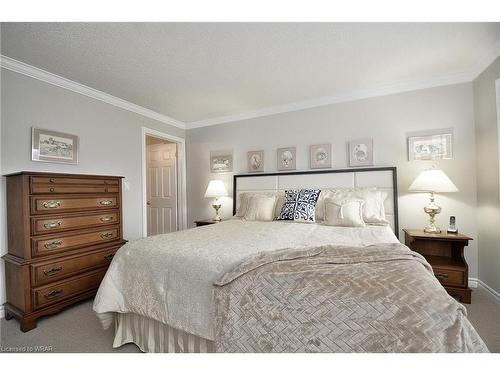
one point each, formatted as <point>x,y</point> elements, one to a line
<point>445,253</point>
<point>200,223</point>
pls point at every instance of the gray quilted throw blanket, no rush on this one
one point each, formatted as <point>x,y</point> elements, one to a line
<point>379,298</point>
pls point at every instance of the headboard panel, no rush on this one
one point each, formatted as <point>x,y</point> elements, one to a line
<point>384,178</point>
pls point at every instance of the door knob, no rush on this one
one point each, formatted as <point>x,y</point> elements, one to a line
<point>148,203</point>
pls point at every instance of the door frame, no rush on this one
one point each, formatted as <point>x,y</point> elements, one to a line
<point>181,177</point>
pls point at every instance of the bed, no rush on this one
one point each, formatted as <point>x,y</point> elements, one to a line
<point>277,286</point>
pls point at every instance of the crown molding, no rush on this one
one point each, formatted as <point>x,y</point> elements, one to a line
<point>335,99</point>
<point>401,87</point>
<point>395,88</point>
<point>486,60</point>
<point>53,79</point>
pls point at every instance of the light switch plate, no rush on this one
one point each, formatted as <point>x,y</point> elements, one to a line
<point>126,185</point>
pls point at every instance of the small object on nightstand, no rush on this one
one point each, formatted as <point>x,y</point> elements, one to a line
<point>200,223</point>
<point>445,253</point>
<point>453,227</point>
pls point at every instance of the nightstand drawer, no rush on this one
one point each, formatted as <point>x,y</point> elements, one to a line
<point>450,277</point>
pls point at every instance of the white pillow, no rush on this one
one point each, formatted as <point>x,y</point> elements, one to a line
<point>260,208</point>
<point>320,204</point>
<point>346,213</point>
<point>373,209</point>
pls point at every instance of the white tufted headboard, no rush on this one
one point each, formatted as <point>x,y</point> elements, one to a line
<point>384,178</point>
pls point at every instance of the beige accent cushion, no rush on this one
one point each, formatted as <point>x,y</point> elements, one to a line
<point>280,201</point>
<point>243,204</point>
<point>346,213</point>
<point>260,208</point>
<point>243,199</point>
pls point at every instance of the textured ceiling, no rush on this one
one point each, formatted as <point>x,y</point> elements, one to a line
<point>197,71</point>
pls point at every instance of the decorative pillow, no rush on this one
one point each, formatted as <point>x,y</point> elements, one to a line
<point>320,205</point>
<point>300,205</point>
<point>243,200</point>
<point>280,201</point>
<point>260,208</point>
<point>347,213</point>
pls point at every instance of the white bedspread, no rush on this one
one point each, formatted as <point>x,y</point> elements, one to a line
<point>169,277</point>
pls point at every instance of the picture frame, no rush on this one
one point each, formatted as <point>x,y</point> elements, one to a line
<point>221,161</point>
<point>361,152</point>
<point>431,146</point>
<point>286,158</point>
<point>321,156</point>
<point>255,161</point>
<point>51,146</point>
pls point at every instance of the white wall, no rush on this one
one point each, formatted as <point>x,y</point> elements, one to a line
<point>387,119</point>
<point>488,210</point>
<point>110,140</point>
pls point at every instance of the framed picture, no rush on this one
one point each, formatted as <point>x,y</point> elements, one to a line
<point>321,156</point>
<point>53,147</point>
<point>221,161</point>
<point>255,161</point>
<point>430,147</point>
<point>286,158</point>
<point>361,152</point>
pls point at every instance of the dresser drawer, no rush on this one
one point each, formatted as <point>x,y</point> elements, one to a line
<point>55,244</point>
<point>47,272</point>
<point>53,224</point>
<point>72,181</point>
<point>46,204</point>
<point>71,189</point>
<point>450,277</point>
<point>56,292</point>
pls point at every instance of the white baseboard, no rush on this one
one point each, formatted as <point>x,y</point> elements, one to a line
<point>492,291</point>
<point>2,312</point>
<point>473,282</point>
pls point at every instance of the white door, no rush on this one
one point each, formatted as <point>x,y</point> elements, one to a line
<point>162,188</point>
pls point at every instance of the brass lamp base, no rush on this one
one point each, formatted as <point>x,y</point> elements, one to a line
<point>216,205</point>
<point>432,209</point>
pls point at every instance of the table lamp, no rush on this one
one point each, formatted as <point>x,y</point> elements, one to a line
<point>432,181</point>
<point>216,189</point>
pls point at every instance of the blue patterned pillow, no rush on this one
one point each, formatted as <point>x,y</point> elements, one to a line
<point>300,205</point>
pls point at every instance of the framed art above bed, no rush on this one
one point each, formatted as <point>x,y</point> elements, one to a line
<point>384,178</point>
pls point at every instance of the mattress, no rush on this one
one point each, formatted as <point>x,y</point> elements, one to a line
<point>169,278</point>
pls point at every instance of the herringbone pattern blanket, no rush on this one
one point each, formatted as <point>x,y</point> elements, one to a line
<point>379,298</point>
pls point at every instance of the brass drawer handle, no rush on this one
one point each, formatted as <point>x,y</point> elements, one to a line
<point>53,293</point>
<point>52,225</point>
<point>106,235</point>
<point>106,202</point>
<point>52,190</point>
<point>53,244</point>
<point>109,257</point>
<point>51,204</point>
<point>52,271</point>
<point>51,180</point>
<point>442,275</point>
<point>105,219</point>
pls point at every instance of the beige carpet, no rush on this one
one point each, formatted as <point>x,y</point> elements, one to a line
<point>77,329</point>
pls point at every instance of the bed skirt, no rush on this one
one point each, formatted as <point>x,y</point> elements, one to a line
<point>153,336</point>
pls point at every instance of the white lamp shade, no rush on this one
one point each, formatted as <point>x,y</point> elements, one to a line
<point>215,189</point>
<point>433,180</point>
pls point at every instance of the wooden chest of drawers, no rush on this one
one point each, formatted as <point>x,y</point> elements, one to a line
<point>63,231</point>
